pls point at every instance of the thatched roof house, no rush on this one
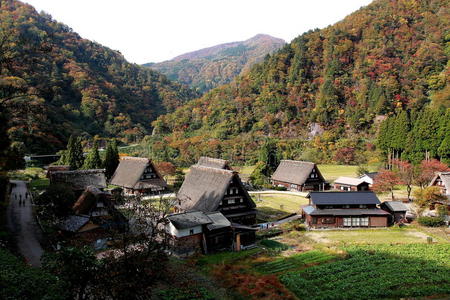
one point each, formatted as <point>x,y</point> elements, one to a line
<point>209,189</point>
<point>79,179</point>
<point>299,175</point>
<point>442,180</point>
<point>138,176</point>
<point>213,163</point>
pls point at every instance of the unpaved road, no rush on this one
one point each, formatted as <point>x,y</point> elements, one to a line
<point>22,223</point>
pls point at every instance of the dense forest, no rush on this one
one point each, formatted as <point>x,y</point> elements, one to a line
<point>341,82</point>
<point>54,83</point>
<point>208,68</point>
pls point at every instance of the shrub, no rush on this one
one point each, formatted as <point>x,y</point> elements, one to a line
<point>279,188</point>
<point>431,221</point>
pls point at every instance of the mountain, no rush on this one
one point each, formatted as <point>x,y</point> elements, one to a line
<point>54,83</point>
<point>210,67</point>
<point>389,56</point>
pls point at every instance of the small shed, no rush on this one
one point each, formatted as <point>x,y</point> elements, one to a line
<point>396,209</point>
<point>350,184</point>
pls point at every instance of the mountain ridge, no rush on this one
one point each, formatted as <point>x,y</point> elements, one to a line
<point>209,67</point>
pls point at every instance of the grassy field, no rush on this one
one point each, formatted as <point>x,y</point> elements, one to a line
<point>331,172</point>
<point>274,206</point>
<point>368,236</point>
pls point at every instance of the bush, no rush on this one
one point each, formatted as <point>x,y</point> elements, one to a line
<point>431,221</point>
<point>279,188</point>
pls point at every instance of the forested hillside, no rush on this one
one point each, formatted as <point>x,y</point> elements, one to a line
<point>388,57</point>
<point>210,67</point>
<point>54,83</point>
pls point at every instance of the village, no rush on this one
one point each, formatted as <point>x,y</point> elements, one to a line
<point>216,216</point>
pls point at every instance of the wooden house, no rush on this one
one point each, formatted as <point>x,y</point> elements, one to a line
<point>344,210</point>
<point>299,176</point>
<point>369,177</point>
<point>350,184</point>
<point>55,168</point>
<point>138,176</point>
<point>442,180</point>
<point>79,180</point>
<point>95,213</point>
<point>209,189</point>
<point>213,163</point>
<point>200,232</point>
<point>396,209</point>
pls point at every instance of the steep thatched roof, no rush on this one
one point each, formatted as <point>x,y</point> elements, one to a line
<point>80,179</point>
<point>293,171</point>
<point>128,174</point>
<point>445,177</point>
<point>204,188</point>
<point>213,163</point>
<point>88,200</point>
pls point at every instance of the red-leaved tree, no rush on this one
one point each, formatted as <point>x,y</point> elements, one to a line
<point>427,170</point>
<point>406,174</point>
<point>386,181</point>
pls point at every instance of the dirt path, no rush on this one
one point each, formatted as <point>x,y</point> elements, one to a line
<point>22,223</point>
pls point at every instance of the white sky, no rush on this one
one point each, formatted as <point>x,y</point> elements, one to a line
<point>152,31</point>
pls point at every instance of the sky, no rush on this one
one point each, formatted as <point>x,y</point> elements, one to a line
<point>153,31</point>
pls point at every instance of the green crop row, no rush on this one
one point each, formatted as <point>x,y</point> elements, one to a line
<point>377,271</point>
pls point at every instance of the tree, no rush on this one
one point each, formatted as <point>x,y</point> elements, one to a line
<point>75,157</point>
<point>425,197</point>
<point>111,158</point>
<point>93,160</point>
<point>166,169</point>
<point>406,173</point>
<point>58,198</point>
<point>345,155</point>
<point>362,169</point>
<point>269,157</point>
<point>77,267</point>
<point>386,181</point>
<point>427,170</point>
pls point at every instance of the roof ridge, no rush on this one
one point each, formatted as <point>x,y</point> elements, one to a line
<point>217,170</point>
<point>297,161</point>
<point>135,158</point>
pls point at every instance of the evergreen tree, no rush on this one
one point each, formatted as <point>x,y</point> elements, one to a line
<point>400,130</point>
<point>75,158</point>
<point>93,160</point>
<point>269,157</point>
<point>111,158</point>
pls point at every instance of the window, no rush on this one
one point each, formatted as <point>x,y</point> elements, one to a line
<point>346,206</point>
<point>191,231</point>
<point>231,201</point>
<point>362,206</point>
<point>314,220</point>
<point>365,221</point>
<point>330,220</point>
<point>356,222</point>
<point>347,222</point>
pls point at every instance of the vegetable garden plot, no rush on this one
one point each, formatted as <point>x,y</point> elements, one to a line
<point>294,261</point>
<point>377,271</point>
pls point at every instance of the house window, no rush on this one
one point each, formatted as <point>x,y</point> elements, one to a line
<point>231,201</point>
<point>330,220</point>
<point>356,222</point>
<point>365,221</point>
<point>314,220</point>
<point>191,231</point>
<point>346,206</point>
<point>362,206</point>
<point>347,222</point>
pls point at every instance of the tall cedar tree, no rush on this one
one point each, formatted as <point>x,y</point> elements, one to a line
<point>111,158</point>
<point>269,157</point>
<point>75,157</point>
<point>93,160</point>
